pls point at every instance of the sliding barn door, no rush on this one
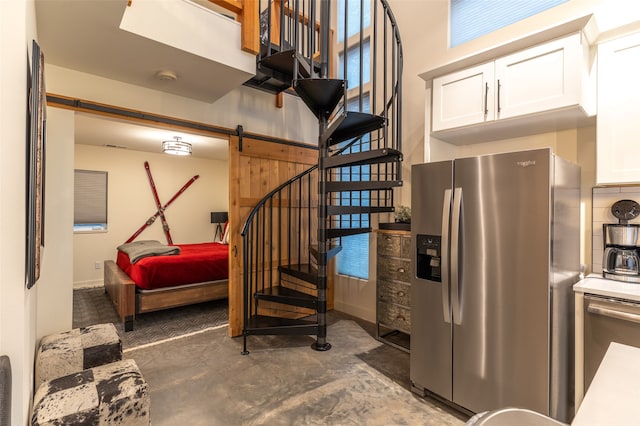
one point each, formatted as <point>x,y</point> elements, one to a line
<point>256,168</point>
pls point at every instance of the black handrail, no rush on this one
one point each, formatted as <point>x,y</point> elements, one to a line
<point>270,195</point>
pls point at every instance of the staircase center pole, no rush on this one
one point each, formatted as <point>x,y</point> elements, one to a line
<point>321,342</point>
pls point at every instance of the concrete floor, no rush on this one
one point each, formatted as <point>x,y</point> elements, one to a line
<point>203,380</point>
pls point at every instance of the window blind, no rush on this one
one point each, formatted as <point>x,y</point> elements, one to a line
<point>470,19</point>
<point>90,197</point>
<point>353,260</point>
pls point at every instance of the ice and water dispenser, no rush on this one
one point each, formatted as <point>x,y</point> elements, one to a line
<point>428,257</point>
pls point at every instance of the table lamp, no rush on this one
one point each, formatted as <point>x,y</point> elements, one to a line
<point>219,218</point>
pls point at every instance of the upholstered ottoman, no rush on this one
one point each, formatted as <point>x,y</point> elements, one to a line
<point>72,351</point>
<point>112,394</point>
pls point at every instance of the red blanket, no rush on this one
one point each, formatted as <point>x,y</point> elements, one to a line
<point>196,263</point>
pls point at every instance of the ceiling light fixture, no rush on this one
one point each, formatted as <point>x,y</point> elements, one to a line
<point>176,147</point>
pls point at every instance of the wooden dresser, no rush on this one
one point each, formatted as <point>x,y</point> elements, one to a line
<point>393,288</point>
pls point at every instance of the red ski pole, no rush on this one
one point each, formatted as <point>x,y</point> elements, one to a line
<point>165,225</point>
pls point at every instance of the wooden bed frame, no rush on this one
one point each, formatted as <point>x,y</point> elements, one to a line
<point>128,302</point>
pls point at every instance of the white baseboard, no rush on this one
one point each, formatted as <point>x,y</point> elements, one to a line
<point>88,284</point>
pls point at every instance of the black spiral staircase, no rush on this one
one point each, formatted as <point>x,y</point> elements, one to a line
<point>293,232</point>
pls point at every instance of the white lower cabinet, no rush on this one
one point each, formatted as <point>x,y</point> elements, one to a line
<point>618,122</point>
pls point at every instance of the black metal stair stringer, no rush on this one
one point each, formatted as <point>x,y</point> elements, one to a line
<point>266,325</point>
<point>283,63</point>
<point>345,232</point>
<point>338,210</point>
<point>351,124</point>
<point>331,253</point>
<point>321,95</point>
<point>362,185</point>
<point>284,295</point>
<point>375,156</point>
<point>306,272</point>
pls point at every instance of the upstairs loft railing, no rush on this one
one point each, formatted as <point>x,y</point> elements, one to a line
<point>247,12</point>
<point>284,20</point>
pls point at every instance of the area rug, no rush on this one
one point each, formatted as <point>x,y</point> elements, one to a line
<point>92,306</point>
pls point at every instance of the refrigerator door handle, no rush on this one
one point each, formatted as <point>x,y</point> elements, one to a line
<point>455,233</point>
<point>444,255</point>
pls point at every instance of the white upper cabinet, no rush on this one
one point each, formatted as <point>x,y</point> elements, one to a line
<point>618,130</point>
<point>542,88</point>
<point>463,98</point>
<point>538,79</point>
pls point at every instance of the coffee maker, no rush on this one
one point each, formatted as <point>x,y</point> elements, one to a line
<point>621,257</point>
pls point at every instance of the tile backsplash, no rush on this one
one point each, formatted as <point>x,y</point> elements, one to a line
<point>603,199</point>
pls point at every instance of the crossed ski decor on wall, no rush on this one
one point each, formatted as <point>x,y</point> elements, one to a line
<point>160,208</point>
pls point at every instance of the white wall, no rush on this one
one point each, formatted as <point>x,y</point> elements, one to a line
<point>131,203</point>
<point>253,109</point>
<point>17,304</point>
<point>55,292</point>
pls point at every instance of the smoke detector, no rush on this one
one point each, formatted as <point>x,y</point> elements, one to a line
<point>166,75</point>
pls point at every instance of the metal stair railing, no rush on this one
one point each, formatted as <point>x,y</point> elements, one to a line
<point>386,79</point>
<point>279,230</point>
<point>290,26</point>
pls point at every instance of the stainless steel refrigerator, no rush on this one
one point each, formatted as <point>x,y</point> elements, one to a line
<point>496,243</point>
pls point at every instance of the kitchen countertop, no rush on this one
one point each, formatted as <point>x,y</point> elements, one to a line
<point>595,284</point>
<point>612,398</point>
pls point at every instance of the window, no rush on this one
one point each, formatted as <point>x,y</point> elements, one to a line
<point>353,260</point>
<point>353,66</point>
<point>353,17</point>
<point>470,19</point>
<point>90,201</point>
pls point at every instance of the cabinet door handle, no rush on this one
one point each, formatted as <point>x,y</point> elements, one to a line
<point>486,97</point>
<point>401,270</point>
<point>499,85</point>
<point>400,293</point>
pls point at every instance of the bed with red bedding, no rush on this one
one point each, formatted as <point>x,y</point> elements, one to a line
<point>195,263</point>
<point>198,273</point>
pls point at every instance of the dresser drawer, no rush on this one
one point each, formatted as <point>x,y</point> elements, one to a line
<point>394,316</point>
<point>405,247</point>
<point>393,269</point>
<point>389,245</point>
<point>394,292</point>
